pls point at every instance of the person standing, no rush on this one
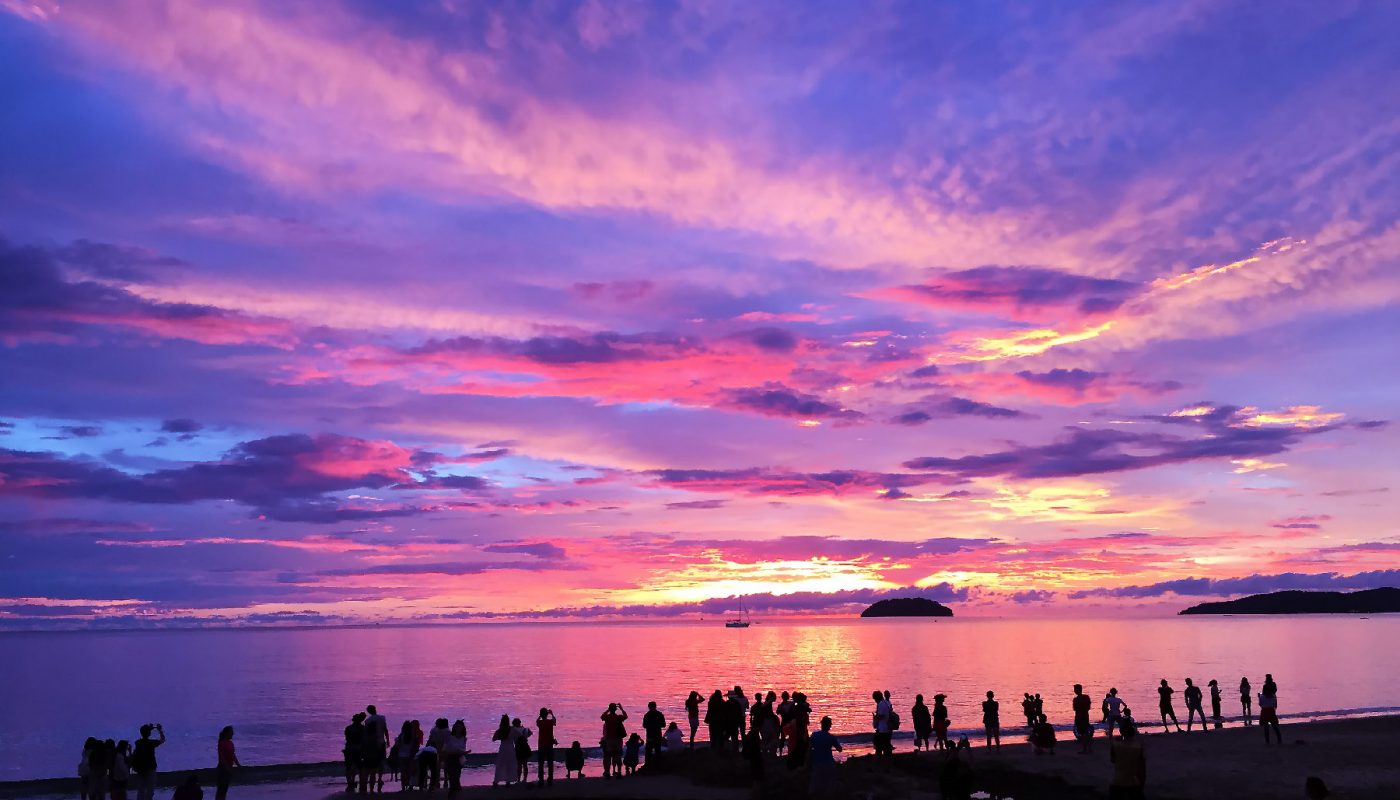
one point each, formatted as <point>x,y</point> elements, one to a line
<point>507,768</point>
<point>922,719</point>
<point>1112,711</point>
<point>1164,705</point>
<point>1268,710</point>
<point>714,719</point>
<point>823,760</point>
<point>143,761</point>
<point>437,744</point>
<point>121,769</point>
<point>991,719</point>
<point>614,737</point>
<point>405,751</point>
<point>940,721</point>
<point>545,744</point>
<point>654,723</point>
<point>454,752</point>
<point>1083,728</point>
<point>692,713</point>
<point>1214,701</point>
<point>375,752</point>
<point>881,719</point>
<point>1246,700</point>
<point>228,759</point>
<point>1193,705</point>
<point>1129,765</point>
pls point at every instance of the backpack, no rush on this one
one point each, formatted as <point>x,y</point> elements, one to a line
<point>894,721</point>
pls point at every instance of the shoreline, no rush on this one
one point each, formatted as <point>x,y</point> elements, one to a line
<point>319,779</point>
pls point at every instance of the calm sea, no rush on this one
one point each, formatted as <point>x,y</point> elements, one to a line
<point>289,693</point>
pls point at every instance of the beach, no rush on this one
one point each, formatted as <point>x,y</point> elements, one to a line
<point>1355,757</point>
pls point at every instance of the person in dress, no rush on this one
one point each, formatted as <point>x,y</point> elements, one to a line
<point>228,759</point>
<point>507,765</point>
<point>923,722</point>
<point>940,721</point>
<point>692,713</point>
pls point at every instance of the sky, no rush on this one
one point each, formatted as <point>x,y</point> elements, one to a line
<point>359,312</point>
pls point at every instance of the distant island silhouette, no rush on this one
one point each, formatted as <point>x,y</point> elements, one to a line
<point>1369,601</point>
<point>907,607</point>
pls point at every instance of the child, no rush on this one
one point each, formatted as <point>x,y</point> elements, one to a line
<point>573,760</point>
<point>633,754</point>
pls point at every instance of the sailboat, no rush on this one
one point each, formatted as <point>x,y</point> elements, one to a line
<point>739,623</point>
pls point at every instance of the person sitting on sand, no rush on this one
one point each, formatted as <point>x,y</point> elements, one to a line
<point>1214,702</point>
<point>1315,789</point>
<point>632,754</point>
<point>573,760</point>
<point>189,790</point>
<point>923,722</point>
<point>675,740</point>
<point>823,748</point>
<point>1246,700</point>
<point>1193,704</point>
<point>1043,735</point>
<point>955,779</point>
<point>991,719</point>
<point>1129,765</point>
<point>940,721</point>
<point>1164,705</point>
<point>1083,728</point>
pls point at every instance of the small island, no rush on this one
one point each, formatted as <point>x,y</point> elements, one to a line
<point>1369,601</point>
<point>907,607</point>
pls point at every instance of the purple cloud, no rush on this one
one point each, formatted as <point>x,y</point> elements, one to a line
<point>1252,584</point>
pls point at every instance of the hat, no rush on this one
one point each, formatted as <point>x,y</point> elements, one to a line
<point>940,697</point>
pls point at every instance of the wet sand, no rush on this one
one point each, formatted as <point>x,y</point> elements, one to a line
<point>1358,758</point>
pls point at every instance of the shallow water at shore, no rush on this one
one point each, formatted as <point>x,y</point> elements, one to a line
<point>290,692</point>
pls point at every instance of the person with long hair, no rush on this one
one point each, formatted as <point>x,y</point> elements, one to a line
<point>1246,700</point>
<point>228,759</point>
<point>507,765</point>
<point>692,713</point>
<point>454,752</point>
<point>121,770</point>
<point>405,750</point>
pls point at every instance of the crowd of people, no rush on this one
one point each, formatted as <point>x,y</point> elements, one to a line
<point>767,727</point>
<point>109,768</point>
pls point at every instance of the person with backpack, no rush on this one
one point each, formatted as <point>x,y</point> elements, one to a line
<point>143,760</point>
<point>881,720</point>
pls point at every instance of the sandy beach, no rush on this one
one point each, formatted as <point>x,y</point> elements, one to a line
<point>1356,757</point>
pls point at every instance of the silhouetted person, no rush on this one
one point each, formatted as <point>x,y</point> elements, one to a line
<point>654,723</point>
<point>573,760</point>
<point>507,762</point>
<point>354,747</point>
<point>1129,764</point>
<point>1315,789</point>
<point>742,700</point>
<point>521,735</point>
<point>823,747</point>
<point>940,721</point>
<point>1028,710</point>
<point>881,719</point>
<point>189,790</point>
<point>1268,714</point>
<point>376,749</point>
<point>228,759</point>
<point>1214,701</point>
<point>922,719</point>
<point>798,735</point>
<point>1270,688</point>
<point>1112,711</point>
<point>1043,735</point>
<point>955,777</point>
<point>1083,728</point>
<point>734,717</point>
<point>752,752</point>
<point>454,752</point>
<point>1193,704</point>
<point>143,761</point>
<point>1246,700</point>
<point>714,719</point>
<point>632,754</point>
<point>1164,704</point>
<point>545,744</point>
<point>614,735</point>
<point>692,713</point>
<point>404,751</point>
<point>121,770</point>
<point>991,719</point>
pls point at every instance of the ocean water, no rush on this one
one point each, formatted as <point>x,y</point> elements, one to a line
<point>290,693</point>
